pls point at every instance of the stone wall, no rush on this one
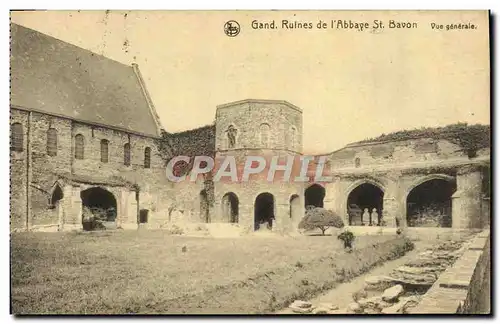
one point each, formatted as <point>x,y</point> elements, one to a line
<point>247,116</point>
<point>464,287</point>
<point>45,170</point>
<point>387,153</point>
<point>19,175</point>
<point>478,300</point>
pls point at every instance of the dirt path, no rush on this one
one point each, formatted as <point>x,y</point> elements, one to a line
<point>342,294</point>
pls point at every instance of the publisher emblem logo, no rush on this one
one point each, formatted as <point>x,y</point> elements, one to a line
<point>232,28</point>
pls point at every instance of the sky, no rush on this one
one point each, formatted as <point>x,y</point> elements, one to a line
<point>350,84</point>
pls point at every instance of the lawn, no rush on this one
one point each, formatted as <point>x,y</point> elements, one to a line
<point>150,271</point>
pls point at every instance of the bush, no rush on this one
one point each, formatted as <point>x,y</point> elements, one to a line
<point>317,217</point>
<point>94,218</point>
<point>347,237</point>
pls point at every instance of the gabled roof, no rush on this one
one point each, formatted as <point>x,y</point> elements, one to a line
<point>58,78</point>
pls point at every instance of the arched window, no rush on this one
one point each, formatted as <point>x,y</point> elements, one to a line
<point>264,135</point>
<point>79,146</point>
<point>126,154</point>
<point>17,137</point>
<point>357,162</point>
<point>52,142</point>
<point>147,157</point>
<point>104,150</point>
<point>231,136</point>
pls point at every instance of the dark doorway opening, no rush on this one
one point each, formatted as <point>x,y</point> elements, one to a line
<point>314,196</point>
<point>365,205</point>
<point>264,211</point>
<point>143,216</point>
<point>429,204</point>
<point>99,208</point>
<point>57,195</point>
<point>230,207</point>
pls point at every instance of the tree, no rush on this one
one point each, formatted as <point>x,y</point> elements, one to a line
<point>321,218</point>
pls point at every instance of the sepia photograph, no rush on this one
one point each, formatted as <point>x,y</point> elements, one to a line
<point>250,162</point>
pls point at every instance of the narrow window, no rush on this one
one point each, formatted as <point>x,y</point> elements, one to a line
<point>126,154</point>
<point>264,135</point>
<point>79,147</point>
<point>357,162</point>
<point>52,142</point>
<point>147,158</point>
<point>104,150</point>
<point>17,137</point>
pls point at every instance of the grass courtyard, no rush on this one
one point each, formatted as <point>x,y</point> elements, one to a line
<point>153,272</point>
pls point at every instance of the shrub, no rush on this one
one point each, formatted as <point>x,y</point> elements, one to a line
<point>94,218</point>
<point>347,237</point>
<point>317,217</point>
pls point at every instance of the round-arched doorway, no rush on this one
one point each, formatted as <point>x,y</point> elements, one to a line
<point>230,207</point>
<point>264,211</point>
<point>99,208</point>
<point>429,204</point>
<point>365,205</point>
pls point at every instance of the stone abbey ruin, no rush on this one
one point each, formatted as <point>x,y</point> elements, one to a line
<point>85,137</point>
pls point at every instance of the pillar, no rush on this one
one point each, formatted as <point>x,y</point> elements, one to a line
<point>394,206</point>
<point>72,206</point>
<point>391,212</point>
<point>127,210</point>
<point>466,202</point>
<point>281,217</point>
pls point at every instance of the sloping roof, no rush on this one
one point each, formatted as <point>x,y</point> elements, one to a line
<point>58,78</point>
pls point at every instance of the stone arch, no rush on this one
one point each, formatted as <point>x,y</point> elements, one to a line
<point>99,206</point>
<point>426,178</point>
<point>363,198</point>
<point>314,195</point>
<point>428,201</point>
<point>56,194</point>
<point>230,207</point>
<point>264,210</point>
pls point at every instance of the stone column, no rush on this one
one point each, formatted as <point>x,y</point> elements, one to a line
<point>393,205</point>
<point>281,218</point>
<point>466,202</point>
<point>72,206</point>
<point>391,211</point>
<point>60,214</point>
<point>245,216</point>
<point>131,216</point>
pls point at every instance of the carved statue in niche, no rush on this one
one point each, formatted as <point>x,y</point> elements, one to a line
<point>366,216</point>
<point>231,136</point>
<point>375,216</point>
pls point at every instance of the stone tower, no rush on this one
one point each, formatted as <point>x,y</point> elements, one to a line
<point>264,128</point>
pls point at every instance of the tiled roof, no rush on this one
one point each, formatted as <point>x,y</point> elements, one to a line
<point>58,78</point>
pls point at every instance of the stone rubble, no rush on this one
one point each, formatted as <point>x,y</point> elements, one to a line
<point>301,307</point>
<point>413,275</point>
<point>393,293</point>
